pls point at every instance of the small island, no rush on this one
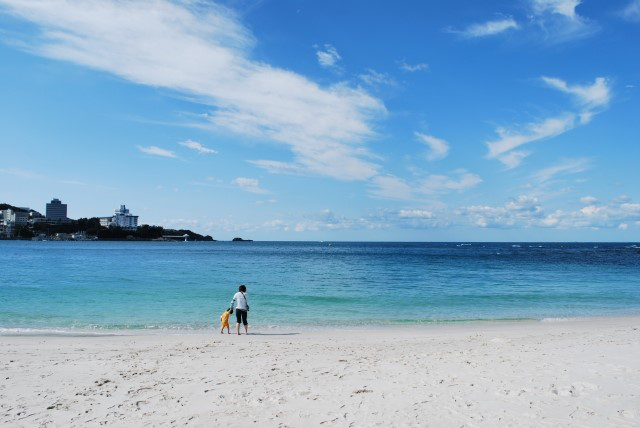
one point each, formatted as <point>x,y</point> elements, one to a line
<point>241,240</point>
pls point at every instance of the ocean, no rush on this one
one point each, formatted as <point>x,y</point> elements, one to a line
<point>157,286</point>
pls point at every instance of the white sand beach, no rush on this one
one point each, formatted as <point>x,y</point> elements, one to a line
<point>558,373</point>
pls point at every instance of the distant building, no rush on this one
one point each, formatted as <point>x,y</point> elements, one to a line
<point>56,210</point>
<point>121,218</point>
<point>7,229</point>
<point>11,221</point>
<point>16,217</point>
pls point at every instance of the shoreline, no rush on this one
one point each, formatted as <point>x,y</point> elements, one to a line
<point>431,325</point>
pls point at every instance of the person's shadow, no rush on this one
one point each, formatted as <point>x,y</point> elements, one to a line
<point>273,334</point>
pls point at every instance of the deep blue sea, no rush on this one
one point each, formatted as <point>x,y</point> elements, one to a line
<point>105,286</point>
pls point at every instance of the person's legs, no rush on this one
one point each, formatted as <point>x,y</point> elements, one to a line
<point>244,321</point>
<point>239,320</point>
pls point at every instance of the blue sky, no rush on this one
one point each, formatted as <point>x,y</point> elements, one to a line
<point>304,120</point>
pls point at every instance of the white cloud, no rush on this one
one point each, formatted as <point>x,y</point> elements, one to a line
<point>415,214</point>
<point>565,8</point>
<point>194,145</point>
<point>559,20</point>
<point>390,187</point>
<point>442,183</point>
<point>412,68</point>
<point>589,97</point>
<point>513,158</point>
<point>526,211</point>
<point>249,184</point>
<point>597,94</point>
<point>375,78</point>
<point>202,50</point>
<point>489,28</point>
<point>632,11</point>
<point>327,220</point>
<point>519,211</point>
<point>157,151</point>
<point>588,200</point>
<point>278,167</point>
<point>501,148</point>
<point>439,148</point>
<point>569,166</point>
<point>328,56</point>
<point>623,226</point>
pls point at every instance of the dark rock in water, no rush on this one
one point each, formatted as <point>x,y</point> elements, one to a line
<point>242,240</point>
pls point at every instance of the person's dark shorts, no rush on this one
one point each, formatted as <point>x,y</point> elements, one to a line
<point>241,316</point>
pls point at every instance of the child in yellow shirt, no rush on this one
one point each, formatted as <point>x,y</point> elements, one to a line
<point>224,320</point>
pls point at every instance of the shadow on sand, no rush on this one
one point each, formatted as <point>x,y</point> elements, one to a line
<point>273,334</point>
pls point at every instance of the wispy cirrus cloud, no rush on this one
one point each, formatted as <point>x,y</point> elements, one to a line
<point>559,21</point>
<point>375,78</point>
<point>21,173</point>
<point>548,21</point>
<point>566,8</point>
<point>595,95</point>
<point>438,148</point>
<point>413,68</point>
<point>156,151</point>
<point>489,28</point>
<point>632,11</point>
<point>503,148</point>
<point>198,147</point>
<point>202,50</point>
<point>569,166</point>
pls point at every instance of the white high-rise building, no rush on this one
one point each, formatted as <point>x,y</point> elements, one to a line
<point>121,218</point>
<point>19,218</point>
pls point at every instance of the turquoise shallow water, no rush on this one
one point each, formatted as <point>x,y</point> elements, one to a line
<point>186,285</point>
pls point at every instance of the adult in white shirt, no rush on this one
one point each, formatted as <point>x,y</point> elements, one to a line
<point>242,307</point>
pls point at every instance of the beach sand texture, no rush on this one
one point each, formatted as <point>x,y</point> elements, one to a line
<point>564,373</point>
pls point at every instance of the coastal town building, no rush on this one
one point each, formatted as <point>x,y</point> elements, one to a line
<point>121,218</point>
<point>11,221</point>
<point>18,218</point>
<point>56,211</point>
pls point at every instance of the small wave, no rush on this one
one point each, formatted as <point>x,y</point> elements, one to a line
<point>52,332</point>
<point>515,246</point>
<point>557,319</point>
